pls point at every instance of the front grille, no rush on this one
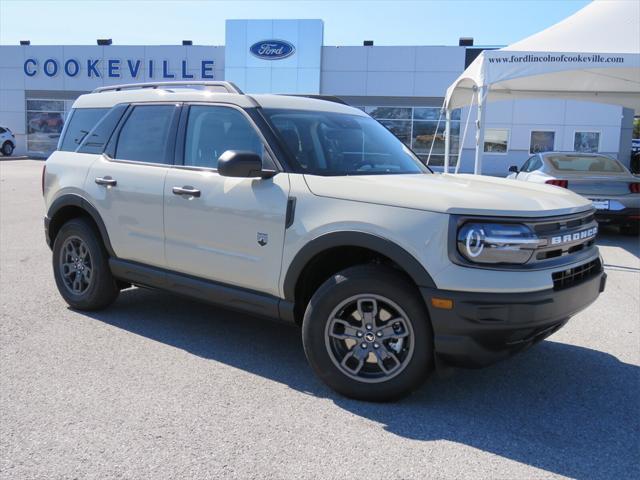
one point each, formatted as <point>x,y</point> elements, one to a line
<point>554,226</point>
<point>576,275</point>
<point>563,229</point>
<point>558,252</point>
<point>558,240</point>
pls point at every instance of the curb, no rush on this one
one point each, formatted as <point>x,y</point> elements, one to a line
<point>21,157</point>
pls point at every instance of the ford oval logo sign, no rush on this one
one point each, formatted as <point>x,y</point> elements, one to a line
<point>272,49</point>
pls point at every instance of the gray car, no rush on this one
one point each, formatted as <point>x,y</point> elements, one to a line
<point>613,189</point>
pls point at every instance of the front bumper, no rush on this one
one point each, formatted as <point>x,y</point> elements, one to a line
<point>483,328</point>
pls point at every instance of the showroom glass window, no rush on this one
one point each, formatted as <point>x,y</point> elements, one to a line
<point>587,142</point>
<point>145,134</point>
<point>542,141</point>
<point>496,140</point>
<point>416,128</point>
<point>211,131</point>
<point>45,119</point>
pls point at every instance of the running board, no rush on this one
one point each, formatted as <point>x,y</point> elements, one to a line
<point>216,293</point>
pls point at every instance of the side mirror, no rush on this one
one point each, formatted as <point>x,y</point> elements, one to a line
<point>513,169</point>
<point>235,163</point>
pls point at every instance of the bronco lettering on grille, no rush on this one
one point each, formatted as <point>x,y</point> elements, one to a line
<point>572,237</point>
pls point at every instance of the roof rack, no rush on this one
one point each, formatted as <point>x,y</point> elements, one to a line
<point>228,87</point>
<point>328,98</point>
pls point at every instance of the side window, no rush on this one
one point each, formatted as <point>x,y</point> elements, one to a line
<point>535,164</point>
<point>80,123</point>
<point>96,140</point>
<point>527,164</point>
<point>211,131</point>
<point>2,130</point>
<point>145,134</point>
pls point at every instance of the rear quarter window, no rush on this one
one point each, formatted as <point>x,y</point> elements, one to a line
<point>80,123</point>
<point>96,141</point>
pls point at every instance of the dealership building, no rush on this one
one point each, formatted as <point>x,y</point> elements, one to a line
<point>401,86</point>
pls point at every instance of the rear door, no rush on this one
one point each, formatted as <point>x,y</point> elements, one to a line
<point>126,184</point>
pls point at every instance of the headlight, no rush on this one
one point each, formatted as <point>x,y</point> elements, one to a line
<point>496,242</point>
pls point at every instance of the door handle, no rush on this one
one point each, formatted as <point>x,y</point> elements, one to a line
<point>186,190</point>
<point>107,181</point>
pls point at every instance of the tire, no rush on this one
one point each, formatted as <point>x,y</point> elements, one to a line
<point>81,268</point>
<point>7,149</point>
<point>330,314</point>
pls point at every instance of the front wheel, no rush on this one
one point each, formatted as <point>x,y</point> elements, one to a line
<point>366,333</point>
<point>7,149</point>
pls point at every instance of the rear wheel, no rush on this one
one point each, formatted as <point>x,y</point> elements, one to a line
<point>81,268</point>
<point>366,333</point>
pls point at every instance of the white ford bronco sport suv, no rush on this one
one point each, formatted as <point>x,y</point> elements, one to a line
<point>310,211</point>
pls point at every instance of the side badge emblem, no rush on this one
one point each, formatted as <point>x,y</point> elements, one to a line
<point>263,239</point>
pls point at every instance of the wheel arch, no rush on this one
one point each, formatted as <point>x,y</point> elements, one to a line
<point>70,206</point>
<point>356,246</point>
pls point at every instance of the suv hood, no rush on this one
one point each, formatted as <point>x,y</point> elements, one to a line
<point>455,194</point>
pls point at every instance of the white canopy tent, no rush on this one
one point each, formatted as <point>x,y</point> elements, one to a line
<point>593,55</point>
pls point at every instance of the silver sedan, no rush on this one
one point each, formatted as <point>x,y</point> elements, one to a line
<point>613,189</point>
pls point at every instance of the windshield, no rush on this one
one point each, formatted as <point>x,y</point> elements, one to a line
<point>326,143</point>
<point>579,163</point>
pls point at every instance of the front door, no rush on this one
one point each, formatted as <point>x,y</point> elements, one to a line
<point>224,229</point>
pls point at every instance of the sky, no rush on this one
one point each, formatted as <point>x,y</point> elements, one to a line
<point>163,22</point>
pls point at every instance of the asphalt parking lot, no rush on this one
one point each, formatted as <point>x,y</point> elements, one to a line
<point>161,387</point>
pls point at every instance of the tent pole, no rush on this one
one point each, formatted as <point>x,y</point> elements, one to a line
<point>447,140</point>
<point>477,169</point>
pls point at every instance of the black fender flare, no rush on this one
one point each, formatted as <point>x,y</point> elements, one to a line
<point>75,200</point>
<point>384,247</point>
